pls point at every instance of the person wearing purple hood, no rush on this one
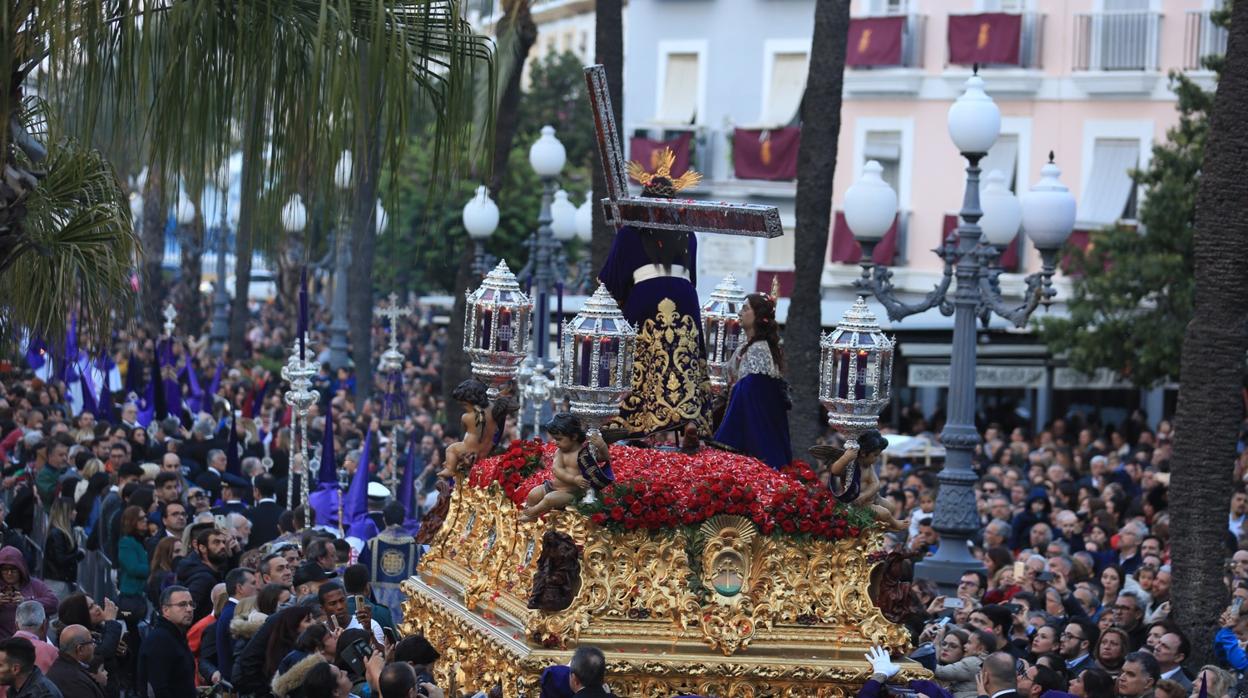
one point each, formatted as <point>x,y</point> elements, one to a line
<point>16,586</point>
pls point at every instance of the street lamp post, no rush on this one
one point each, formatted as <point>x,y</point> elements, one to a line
<point>220,332</point>
<point>555,221</point>
<point>338,326</point>
<point>481,220</point>
<point>970,254</point>
<point>585,233</point>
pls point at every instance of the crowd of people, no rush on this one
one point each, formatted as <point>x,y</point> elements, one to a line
<point>224,582</point>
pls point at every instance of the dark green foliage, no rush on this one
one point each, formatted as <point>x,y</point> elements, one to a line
<point>1132,295</point>
<point>420,249</point>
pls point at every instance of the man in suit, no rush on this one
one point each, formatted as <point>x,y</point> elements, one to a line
<point>265,513</point>
<point>998,676</point>
<point>1139,676</point>
<point>1171,651</point>
<point>589,669</point>
<point>1037,679</point>
<point>1076,643</point>
<point>240,583</point>
<point>70,671</point>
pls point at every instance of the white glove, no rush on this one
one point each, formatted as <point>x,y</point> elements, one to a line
<point>880,662</point>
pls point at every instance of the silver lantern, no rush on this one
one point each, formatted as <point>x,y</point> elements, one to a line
<point>299,371</point>
<point>496,328</point>
<point>596,360</point>
<point>855,373</point>
<point>721,326</point>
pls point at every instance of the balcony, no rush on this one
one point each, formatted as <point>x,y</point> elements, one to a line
<point>1202,39</point>
<point>1116,52</point>
<point>1006,46</point>
<point>885,55</point>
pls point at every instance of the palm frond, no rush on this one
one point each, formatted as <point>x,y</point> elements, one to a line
<point>77,246</point>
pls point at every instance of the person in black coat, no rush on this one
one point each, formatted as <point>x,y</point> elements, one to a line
<point>247,674</point>
<point>204,567</point>
<point>166,664</point>
<point>70,671</point>
<point>589,669</point>
<point>265,513</point>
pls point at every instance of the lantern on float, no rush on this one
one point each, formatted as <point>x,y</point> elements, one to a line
<point>496,328</point>
<point>721,326</point>
<point>855,373</point>
<point>596,360</point>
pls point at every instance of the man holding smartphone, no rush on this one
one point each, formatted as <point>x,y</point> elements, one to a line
<point>333,600</point>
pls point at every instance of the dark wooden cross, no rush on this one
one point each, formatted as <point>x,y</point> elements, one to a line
<point>622,208</point>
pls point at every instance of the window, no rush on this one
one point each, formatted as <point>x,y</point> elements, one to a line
<point>876,8</point>
<point>1109,193</point>
<point>785,88</point>
<point>679,101</point>
<point>1003,6</point>
<point>1127,36</point>
<point>885,148</point>
<point>1004,157</point>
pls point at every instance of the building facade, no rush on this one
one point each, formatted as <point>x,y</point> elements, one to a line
<point>1085,79</point>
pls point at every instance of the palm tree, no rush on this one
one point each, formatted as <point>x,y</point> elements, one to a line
<point>816,162</point>
<point>284,72</point>
<point>609,49</point>
<point>1211,408</point>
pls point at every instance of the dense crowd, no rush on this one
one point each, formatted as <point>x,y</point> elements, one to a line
<point>213,582</point>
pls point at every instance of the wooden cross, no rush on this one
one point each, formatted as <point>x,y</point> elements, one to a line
<point>622,208</point>
<point>392,313</point>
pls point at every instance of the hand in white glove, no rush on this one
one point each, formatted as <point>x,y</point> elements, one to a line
<point>880,662</point>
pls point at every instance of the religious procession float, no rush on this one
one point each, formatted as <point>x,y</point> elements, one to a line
<point>717,565</point>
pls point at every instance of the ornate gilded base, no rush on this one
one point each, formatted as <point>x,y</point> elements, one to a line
<point>715,610</point>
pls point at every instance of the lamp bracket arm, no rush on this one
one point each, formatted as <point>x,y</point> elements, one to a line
<point>877,281</point>
<point>1037,291</point>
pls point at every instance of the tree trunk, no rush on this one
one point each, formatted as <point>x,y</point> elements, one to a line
<point>816,163</point>
<point>189,301</point>
<point>1211,407</point>
<point>609,51</point>
<point>363,246</point>
<point>455,366</point>
<point>152,236</point>
<point>253,167</point>
<point>519,21</point>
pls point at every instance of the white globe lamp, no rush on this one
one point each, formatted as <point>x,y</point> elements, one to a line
<point>1002,211</point>
<point>481,215</point>
<point>1048,210</point>
<point>585,219</point>
<point>343,170</point>
<point>870,205</point>
<point>563,217</point>
<point>974,119</point>
<point>294,214</point>
<point>547,155</point>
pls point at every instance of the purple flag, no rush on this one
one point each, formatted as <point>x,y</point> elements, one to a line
<point>89,402</point>
<point>232,464</point>
<point>106,399</point>
<point>405,495</point>
<point>36,353</point>
<point>356,504</point>
<point>328,473</point>
<point>324,502</point>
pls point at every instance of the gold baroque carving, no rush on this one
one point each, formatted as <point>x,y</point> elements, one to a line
<point>636,592</point>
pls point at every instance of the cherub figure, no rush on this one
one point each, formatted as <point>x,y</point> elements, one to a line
<point>478,428</point>
<point>855,468</point>
<point>569,480</point>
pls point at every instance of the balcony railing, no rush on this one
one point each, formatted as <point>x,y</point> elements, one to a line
<point>995,39</point>
<point>1201,38</point>
<point>1117,40</point>
<point>893,41</point>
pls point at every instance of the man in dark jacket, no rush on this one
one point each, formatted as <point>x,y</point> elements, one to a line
<point>166,664</point>
<point>265,513</point>
<point>70,671</point>
<point>204,567</point>
<point>589,669</point>
<point>18,671</point>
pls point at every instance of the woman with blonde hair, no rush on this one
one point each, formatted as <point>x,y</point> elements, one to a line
<point>62,554</point>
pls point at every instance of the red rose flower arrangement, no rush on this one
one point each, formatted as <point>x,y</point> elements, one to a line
<point>658,490</point>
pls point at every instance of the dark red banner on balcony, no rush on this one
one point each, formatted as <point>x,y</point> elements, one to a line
<point>1009,258</point>
<point>991,37</point>
<point>646,151</point>
<point>766,154</point>
<point>784,279</point>
<point>846,250</point>
<point>874,41</point>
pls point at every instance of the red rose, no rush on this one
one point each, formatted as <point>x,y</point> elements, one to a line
<point>617,513</point>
